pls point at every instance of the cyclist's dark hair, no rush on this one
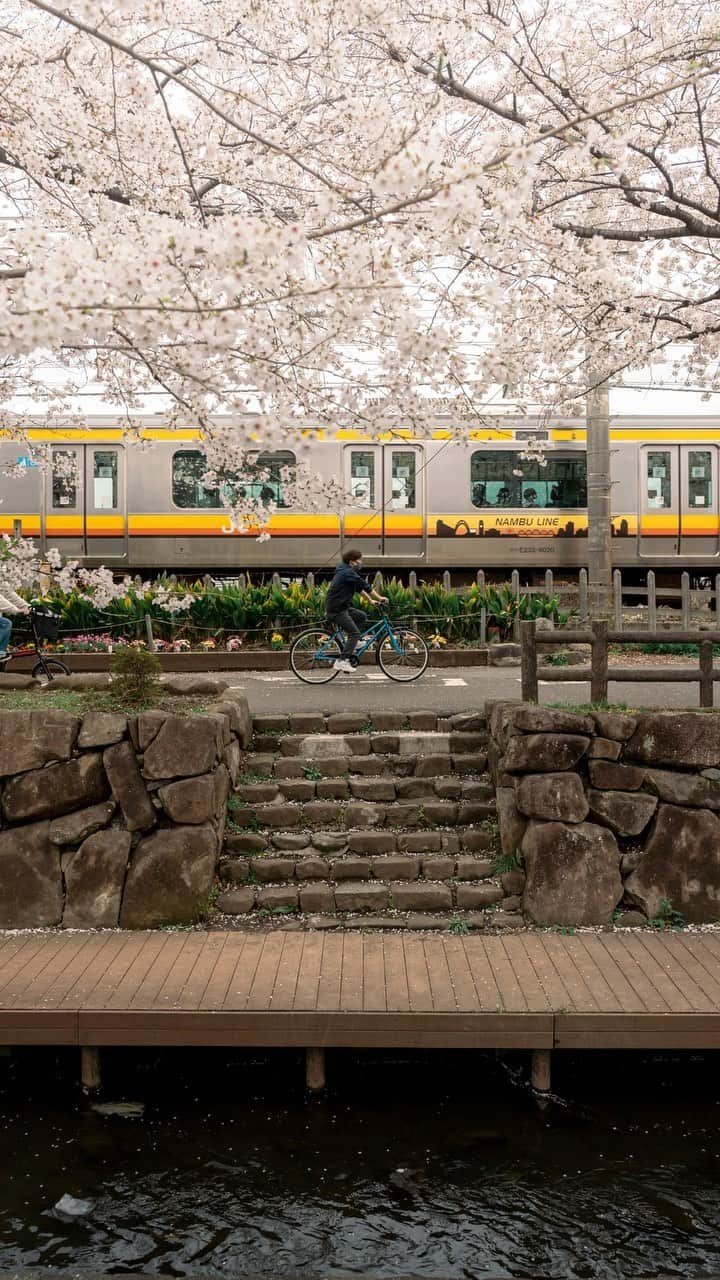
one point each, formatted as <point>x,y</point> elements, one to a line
<point>351,554</point>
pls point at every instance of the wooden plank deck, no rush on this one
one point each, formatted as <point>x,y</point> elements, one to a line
<point>522,991</point>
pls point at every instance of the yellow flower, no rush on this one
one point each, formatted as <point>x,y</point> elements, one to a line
<point>276,638</point>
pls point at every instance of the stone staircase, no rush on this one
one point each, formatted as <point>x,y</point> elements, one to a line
<point>345,821</point>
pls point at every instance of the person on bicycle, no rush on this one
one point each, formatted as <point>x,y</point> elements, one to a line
<point>348,580</point>
<point>10,602</point>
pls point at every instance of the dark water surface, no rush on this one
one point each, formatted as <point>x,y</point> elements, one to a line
<point>430,1165</point>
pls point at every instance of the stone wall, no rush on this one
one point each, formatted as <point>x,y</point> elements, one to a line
<point>110,819</point>
<point>612,815</point>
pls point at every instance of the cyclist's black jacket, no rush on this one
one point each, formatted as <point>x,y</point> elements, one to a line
<point>342,589</point>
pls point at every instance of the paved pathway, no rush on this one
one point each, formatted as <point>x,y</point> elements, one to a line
<point>440,690</point>
<point>522,990</point>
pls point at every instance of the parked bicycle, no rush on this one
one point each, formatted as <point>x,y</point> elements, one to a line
<point>44,625</point>
<point>400,653</point>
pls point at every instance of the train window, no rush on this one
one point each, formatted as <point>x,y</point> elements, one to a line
<point>105,479</point>
<point>402,479</point>
<point>659,479</point>
<point>501,478</point>
<point>262,479</point>
<point>699,478</point>
<point>64,478</point>
<point>362,478</point>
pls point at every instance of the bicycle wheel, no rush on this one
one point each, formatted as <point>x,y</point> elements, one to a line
<point>48,668</point>
<point>312,655</point>
<point>403,655</point>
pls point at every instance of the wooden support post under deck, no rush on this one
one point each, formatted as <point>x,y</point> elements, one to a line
<point>540,1070</point>
<point>90,1074</point>
<point>315,1070</point>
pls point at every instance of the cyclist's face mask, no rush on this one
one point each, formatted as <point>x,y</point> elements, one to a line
<point>358,563</point>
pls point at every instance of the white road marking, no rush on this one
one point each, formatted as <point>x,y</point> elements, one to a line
<point>454,680</point>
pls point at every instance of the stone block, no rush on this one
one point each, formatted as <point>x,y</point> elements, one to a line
<point>421,897</point>
<point>360,896</point>
<point>604,749</point>
<point>373,842</point>
<point>384,744</point>
<point>684,789</point>
<point>465,744</point>
<point>614,724</point>
<point>344,722</point>
<point>573,873</point>
<point>513,882</point>
<point>351,869</point>
<point>504,655</point>
<point>473,897</point>
<point>396,867</point>
<point>448,789</point>
<point>469,722</point>
<point>477,840</point>
<point>511,822</point>
<point>544,752</point>
<point>422,721</point>
<point>554,796</point>
<point>330,841</point>
<point>377,790</point>
<point>94,878</point>
<point>414,788</point>
<point>58,789</point>
<point>386,721</point>
<point>317,897</point>
<point>358,814</point>
<point>627,813</point>
<point>101,729</point>
<point>469,868</point>
<point>245,842</point>
<point>683,738</point>
<point>605,775</point>
<point>290,768</point>
<point>271,742</point>
<point>276,816</point>
<point>306,722</point>
<point>472,811</point>
<point>183,748</point>
<point>277,897</point>
<point>236,902</point>
<point>358,744</point>
<point>128,787</point>
<point>73,828</point>
<point>169,878</point>
<point>310,868</point>
<point>476,762</point>
<point>436,867</point>
<point>257,792</point>
<point>322,813</point>
<point>232,760</point>
<point>419,842</point>
<point>234,870</point>
<point>332,789</point>
<point>630,920</point>
<point>270,724</point>
<point>241,722</point>
<point>299,790</point>
<point>395,767</point>
<point>512,903</point>
<point>267,869</point>
<point>289,841</point>
<point>534,719</point>
<point>191,800</point>
<point>193,684</point>
<point>10,681</point>
<point>316,746</point>
<point>32,739</point>
<point>681,863</point>
<point>31,891</point>
<point>424,744</point>
<point>449,842</point>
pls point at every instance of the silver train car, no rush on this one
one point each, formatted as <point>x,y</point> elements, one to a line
<point>424,504</point>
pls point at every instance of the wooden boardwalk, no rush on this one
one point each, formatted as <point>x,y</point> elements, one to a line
<point>535,991</point>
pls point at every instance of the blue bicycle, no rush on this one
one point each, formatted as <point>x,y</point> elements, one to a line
<point>399,652</point>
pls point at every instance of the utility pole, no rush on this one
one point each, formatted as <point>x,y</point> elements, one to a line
<point>597,412</point>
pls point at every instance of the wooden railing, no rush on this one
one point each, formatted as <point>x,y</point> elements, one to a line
<point>600,674</point>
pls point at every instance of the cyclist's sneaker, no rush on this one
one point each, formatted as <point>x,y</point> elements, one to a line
<point>343,664</point>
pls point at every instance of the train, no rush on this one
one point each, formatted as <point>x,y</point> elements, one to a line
<point>434,503</point>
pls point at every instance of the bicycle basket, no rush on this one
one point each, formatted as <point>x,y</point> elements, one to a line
<point>46,623</point>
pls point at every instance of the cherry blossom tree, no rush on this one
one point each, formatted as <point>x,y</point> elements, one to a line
<point>352,212</point>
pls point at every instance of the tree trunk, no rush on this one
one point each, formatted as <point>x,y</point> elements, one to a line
<point>597,409</point>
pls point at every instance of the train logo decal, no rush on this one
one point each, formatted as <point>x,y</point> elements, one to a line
<point>530,525</point>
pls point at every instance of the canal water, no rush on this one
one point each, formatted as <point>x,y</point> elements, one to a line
<point>429,1165</point>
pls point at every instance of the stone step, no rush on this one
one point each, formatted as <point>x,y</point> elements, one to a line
<point>306,722</point>
<point>323,898</point>
<point>376,789</point>
<point>258,766</point>
<point>282,815</point>
<point>403,742</point>
<point>303,866</point>
<point>360,841</point>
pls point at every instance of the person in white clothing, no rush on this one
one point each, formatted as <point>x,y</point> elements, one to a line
<point>10,602</point>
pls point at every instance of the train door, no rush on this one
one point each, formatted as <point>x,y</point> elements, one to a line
<point>698,500</point>
<point>85,508</point>
<point>659,531</point>
<point>385,511</point>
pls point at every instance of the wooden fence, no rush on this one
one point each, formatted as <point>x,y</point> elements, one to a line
<point>600,674</point>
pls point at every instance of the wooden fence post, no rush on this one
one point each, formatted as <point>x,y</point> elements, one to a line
<point>447,580</point>
<point>652,600</point>
<point>483,625</point>
<point>528,662</point>
<point>515,586</point>
<point>480,579</point>
<point>149,633</point>
<point>617,599</point>
<point>549,582</point>
<point>583,595</point>
<point>310,580</point>
<point>599,660</point>
<point>685,600</point>
<point>706,673</point>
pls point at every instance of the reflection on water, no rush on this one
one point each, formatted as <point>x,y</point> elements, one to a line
<point>433,1165</point>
